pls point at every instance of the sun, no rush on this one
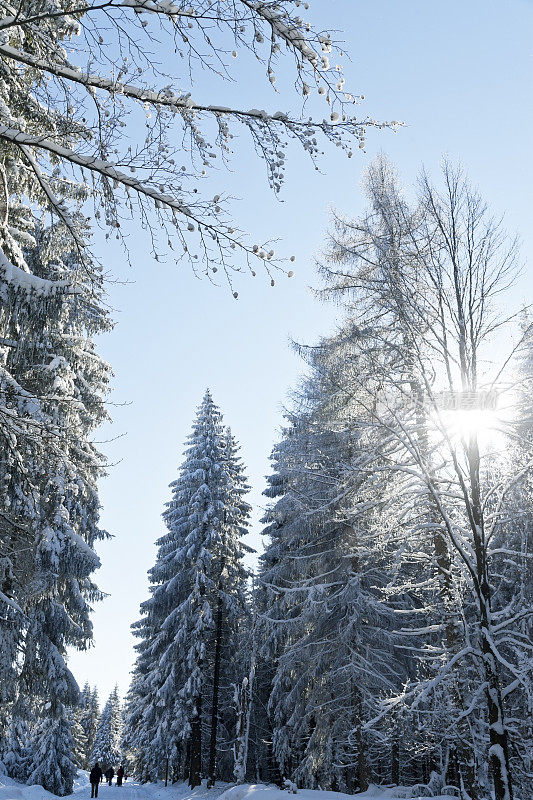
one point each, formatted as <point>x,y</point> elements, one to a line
<point>463,416</point>
<point>467,423</point>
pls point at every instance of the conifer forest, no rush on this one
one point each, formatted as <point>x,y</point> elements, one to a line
<point>360,620</point>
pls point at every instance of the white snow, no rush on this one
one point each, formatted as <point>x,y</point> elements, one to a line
<point>17,277</point>
<point>259,792</point>
<point>132,790</point>
<point>11,790</point>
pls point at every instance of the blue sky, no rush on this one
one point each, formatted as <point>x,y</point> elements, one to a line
<point>460,75</point>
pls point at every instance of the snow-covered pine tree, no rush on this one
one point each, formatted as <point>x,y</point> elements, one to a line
<point>198,600</point>
<point>79,733</point>
<point>327,630</point>
<point>78,737</point>
<point>52,383</point>
<point>107,743</point>
<point>142,715</point>
<point>17,755</point>
<point>88,713</point>
<point>52,748</point>
<point>231,615</point>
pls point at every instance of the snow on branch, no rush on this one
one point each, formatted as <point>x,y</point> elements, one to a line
<point>114,65</point>
<point>10,602</point>
<point>165,97</point>
<point>17,278</point>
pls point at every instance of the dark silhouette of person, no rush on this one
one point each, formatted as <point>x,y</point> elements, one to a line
<point>120,775</point>
<point>109,775</point>
<point>95,777</point>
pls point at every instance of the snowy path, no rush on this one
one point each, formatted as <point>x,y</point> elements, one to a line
<point>132,790</point>
<point>129,791</point>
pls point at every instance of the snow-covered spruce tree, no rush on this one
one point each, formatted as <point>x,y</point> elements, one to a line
<point>326,628</point>
<point>73,80</point>
<point>88,714</point>
<point>79,737</point>
<point>463,261</point>
<point>141,715</point>
<point>51,399</point>
<point>52,749</point>
<point>107,742</point>
<point>191,623</point>
<point>84,719</point>
<point>231,622</point>
<point>17,755</point>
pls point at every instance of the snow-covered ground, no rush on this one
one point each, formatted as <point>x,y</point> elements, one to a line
<point>131,790</point>
<point>258,792</point>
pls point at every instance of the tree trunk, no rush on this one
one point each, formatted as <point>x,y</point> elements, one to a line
<point>195,766</point>
<point>395,761</point>
<point>244,714</point>
<point>362,777</point>
<point>499,743</point>
<point>216,685</point>
<point>461,753</point>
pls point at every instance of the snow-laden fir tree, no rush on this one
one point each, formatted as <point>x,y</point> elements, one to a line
<point>192,621</point>
<point>88,713</point>
<point>107,742</point>
<point>52,752</point>
<point>231,614</point>
<point>78,736</point>
<point>17,755</point>
<point>84,720</point>
<point>326,628</point>
<point>51,394</point>
<point>141,714</point>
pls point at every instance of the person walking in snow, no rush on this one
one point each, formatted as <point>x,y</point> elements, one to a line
<point>110,774</point>
<point>120,775</point>
<point>95,777</point>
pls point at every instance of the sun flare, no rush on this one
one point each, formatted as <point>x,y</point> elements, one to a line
<point>465,423</point>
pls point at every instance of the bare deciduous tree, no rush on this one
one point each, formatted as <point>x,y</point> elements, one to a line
<point>426,308</point>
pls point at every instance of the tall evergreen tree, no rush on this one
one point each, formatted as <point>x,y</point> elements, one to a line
<point>79,737</point>
<point>327,629</point>
<point>191,623</point>
<point>107,742</point>
<point>52,753</point>
<point>88,713</point>
<point>52,384</point>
